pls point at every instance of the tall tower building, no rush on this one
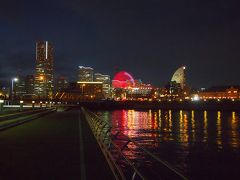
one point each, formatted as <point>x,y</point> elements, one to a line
<point>85,74</point>
<point>44,70</point>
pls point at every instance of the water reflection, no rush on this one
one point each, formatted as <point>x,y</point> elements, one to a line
<point>219,130</point>
<point>234,131</point>
<point>193,126</point>
<point>159,119</point>
<point>184,127</point>
<point>177,136</point>
<point>205,126</point>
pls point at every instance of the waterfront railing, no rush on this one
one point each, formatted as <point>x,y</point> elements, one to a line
<point>118,151</point>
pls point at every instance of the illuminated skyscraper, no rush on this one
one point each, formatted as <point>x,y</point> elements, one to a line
<point>105,79</point>
<point>44,70</point>
<point>85,74</point>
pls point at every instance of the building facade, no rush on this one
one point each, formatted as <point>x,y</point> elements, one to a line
<point>228,93</point>
<point>61,84</point>
<point>29,83</point>
<point>19,87</point>
<point>85,74</point>
<point>81,91</point>
<point>179,77</point>
<point>43,87</point>
<point>105,79</point>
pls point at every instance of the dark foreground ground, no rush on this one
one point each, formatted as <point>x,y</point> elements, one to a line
<point>57,146</point>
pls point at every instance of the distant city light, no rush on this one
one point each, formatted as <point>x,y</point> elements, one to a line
<point>15,79</point>
<point>195,98</point>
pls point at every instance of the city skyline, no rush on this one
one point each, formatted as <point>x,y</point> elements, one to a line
<point>44,70</point>
<point>150,39</point>
<point>119,89</point>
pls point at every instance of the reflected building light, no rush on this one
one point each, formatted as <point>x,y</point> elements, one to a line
<point>181,123</point>
<point>205,126</point>
<point>130,120</point>
<point>123,121</point>
<point>155,121</point>
<point>234,132</point>
<point>233,117</point>
<point>219,130</point>
<point>165,126</point>
<point>193,125</point>
<point>170,128</point>
<point>160,118</point>
<point>150,116</point>
<point>185,121</point>
<point>181,118</point>
<point>170,120</point>
<point>166,121</point>
<point>184,137</point>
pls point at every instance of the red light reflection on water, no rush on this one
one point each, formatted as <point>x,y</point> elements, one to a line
<point>179,135</point>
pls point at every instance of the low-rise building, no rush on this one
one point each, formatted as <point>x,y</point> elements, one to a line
<point>220,93</point>
<point>82,91</point>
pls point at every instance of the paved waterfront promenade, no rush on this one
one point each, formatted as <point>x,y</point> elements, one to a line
<point>56,146</point>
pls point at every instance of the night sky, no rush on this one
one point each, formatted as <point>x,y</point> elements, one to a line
<point>149,39</point>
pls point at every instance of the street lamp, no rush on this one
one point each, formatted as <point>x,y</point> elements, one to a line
<point>13,80</point>
<point>33,104</point>
<point>40,104</point>
<point>21,105</point>
<point>83,85</point>
<point>1,104</point>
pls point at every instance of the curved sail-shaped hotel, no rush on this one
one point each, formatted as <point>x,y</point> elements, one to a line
<point>179,76</point>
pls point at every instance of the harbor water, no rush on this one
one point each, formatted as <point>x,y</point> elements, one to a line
<point>199,144</point>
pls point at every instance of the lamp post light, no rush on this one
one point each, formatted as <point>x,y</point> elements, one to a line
<point>83,85</point>
<point>40,104</point>
<point>13,80</point>
<point>33,104</point>
<point>21,105</point>
<point>1,104</point>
